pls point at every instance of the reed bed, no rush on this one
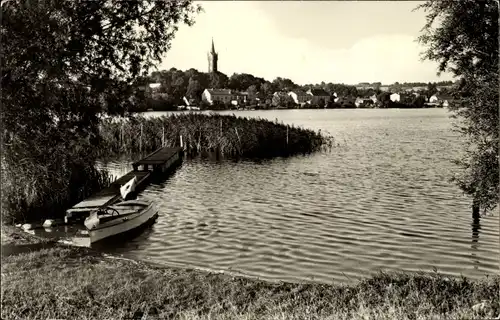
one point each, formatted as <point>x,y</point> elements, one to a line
<point>33,198</point>
<point>228,136</point>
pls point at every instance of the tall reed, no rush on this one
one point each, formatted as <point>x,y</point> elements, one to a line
<point>33,197</point>
<point>229,136</point>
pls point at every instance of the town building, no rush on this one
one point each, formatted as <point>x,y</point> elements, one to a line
<point>153,90</point>
<point>363,102</point>
<point>224,96</point>
<point>212,96</point>
<point>315,95</point>
<point>299,97</point>
<point>395,97</point>
<point>440,99</point>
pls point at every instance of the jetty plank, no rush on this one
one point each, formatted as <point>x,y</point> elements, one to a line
<point>160,160</point>
<point>110,194</point>
<point>160,156</point>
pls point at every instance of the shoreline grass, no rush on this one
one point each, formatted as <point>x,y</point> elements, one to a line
<point>69,283</point>
<point>228,135</point>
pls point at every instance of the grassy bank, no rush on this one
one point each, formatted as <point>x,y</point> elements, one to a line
<point>70,283</point>
<point>230,136</point>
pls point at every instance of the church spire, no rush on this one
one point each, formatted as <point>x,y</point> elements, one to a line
<point>212,59</point>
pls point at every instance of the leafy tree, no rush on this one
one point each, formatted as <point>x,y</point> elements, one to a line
<point>234,82</point>
<point>396,87</point>
<point>282,100</point>
<point>63,63</point>
<point>267,89</point>
<point>241,81</point>
<point>252,91</point>
<point>218,80</point>
<point>330,88</point>
<point>347,103</point>
<point>342,90</point>
<point>179,86</point>
<point>321,103</point>
<point>418,101</point>
<point>191,73</point>
<point>284,84</point>
<point>384,99</point>
<point>465,42</point>
<point>406,98</point>
<point>194,89</point>
<point>366,93</point>
<point>330,104</point>
<point>431,89</point>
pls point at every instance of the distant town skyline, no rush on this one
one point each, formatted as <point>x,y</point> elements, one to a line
<point>308,41</point>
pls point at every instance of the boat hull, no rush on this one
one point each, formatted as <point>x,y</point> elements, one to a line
<point>126,225</point>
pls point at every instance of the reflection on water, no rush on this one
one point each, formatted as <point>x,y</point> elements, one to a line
<point>10,249</point>
<point>383,202</point>
<point>69,234</point>
<point>476,226</point>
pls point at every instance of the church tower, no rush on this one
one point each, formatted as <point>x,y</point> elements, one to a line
<point>212,59</point>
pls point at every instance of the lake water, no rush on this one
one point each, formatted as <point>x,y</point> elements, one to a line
<point>381,200</point>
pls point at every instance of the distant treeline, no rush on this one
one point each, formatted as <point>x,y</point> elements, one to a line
<point>176,84</point>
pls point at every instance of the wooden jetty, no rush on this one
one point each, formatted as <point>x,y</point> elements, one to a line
<point>159,161</point>
<point>155,164</point>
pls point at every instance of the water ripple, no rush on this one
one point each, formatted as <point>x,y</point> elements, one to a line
<point>383,203</point>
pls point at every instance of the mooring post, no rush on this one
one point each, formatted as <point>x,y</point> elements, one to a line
<point>287,135</point>
<point>162,136</point>
<point>199,142</point>
<point>140,141</point>
<point>239,140</point>
<point>121,136</point>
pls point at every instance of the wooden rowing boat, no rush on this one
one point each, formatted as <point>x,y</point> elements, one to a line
<point>119,218</point>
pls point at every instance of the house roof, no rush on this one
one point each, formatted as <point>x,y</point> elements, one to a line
<point>319,92</point>
<point>221,92</point>
<point>444,96</point>
<point>299,92</point>
<point>280,93</point>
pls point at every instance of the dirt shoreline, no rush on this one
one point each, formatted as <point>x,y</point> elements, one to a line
<point>62,282</point>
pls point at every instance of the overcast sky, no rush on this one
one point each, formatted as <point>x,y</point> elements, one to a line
<point>308,41</point>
